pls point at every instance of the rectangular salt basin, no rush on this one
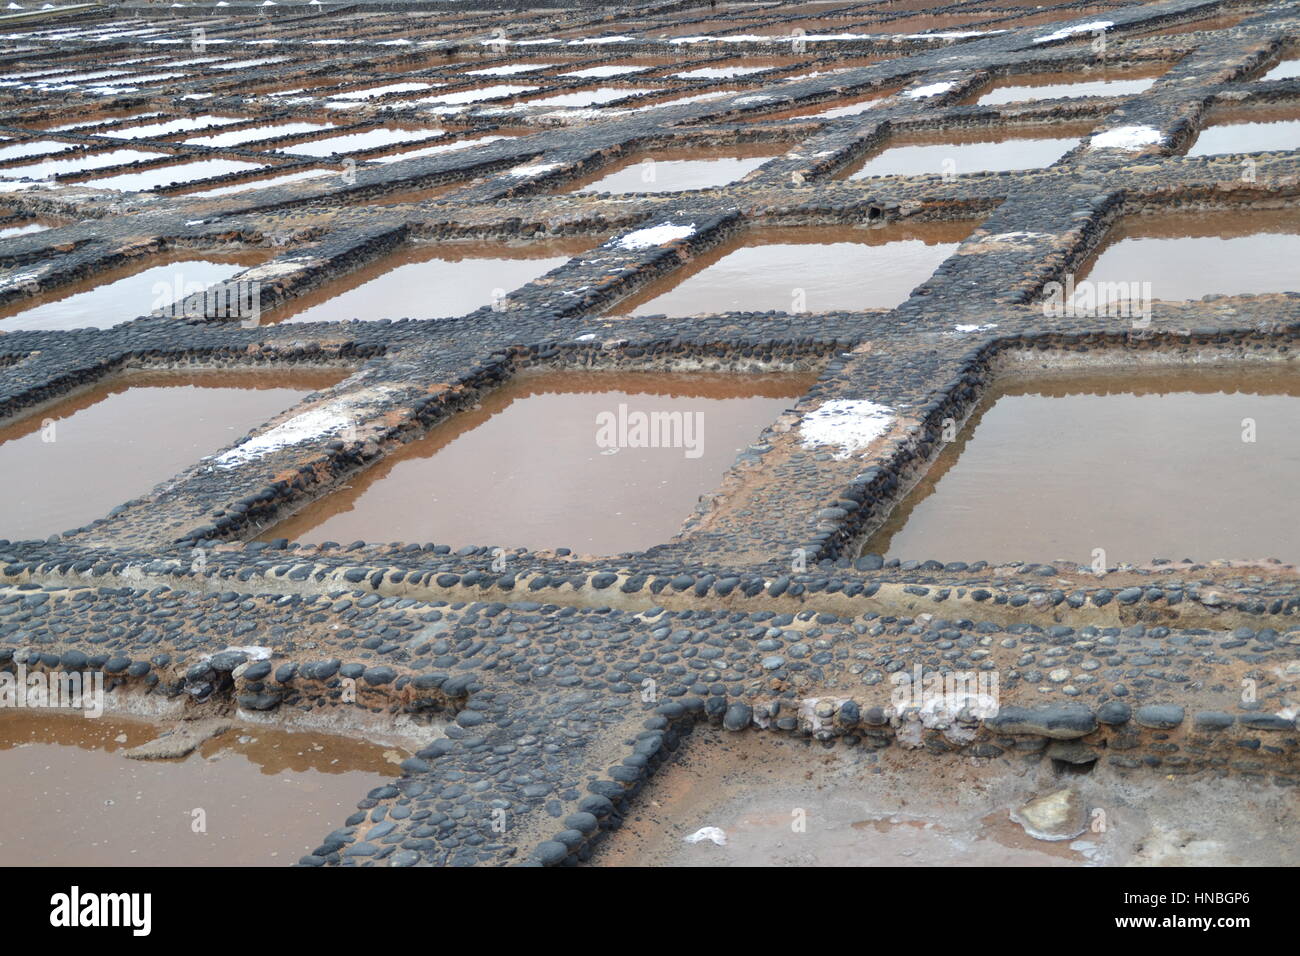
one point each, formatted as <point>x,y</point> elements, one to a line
<point>174,174</point>
<point>1189,255</point>
<point>366,139</point>
<point>264,182</point>
<point>1017,89</point>
<point>1138,463</point>
<point>803,268</point>
<point>432,281</point>
<point>269,795</point>
<point>530,466</point>
<point>33,148</point>
<point>513,69</point>
<point>240,136</point>
<point>124,293</point>
<point>671,170</point>
<point>719,72</point>
<point>169,127</point>
<point>1285,70</point>
<point>1249,131</point>
<point>8,232</point>
<point>832,109</point>
<point>118,440</point>
<point>959,152</point>
<point>450,147</point>
<point>464,97</point>
<point>387,89</point>
<point>589,97</point>
<point>78,164</point>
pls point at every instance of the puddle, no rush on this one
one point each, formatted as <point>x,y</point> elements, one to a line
<point>957,152</point>
<point>678,169</point>
<point>465,275</point>
<point>1016,89</point>
<point>123,293</point>
<point>529,467</point>
<point>1250,131</point>
<point>1186,256</point>
<point>175,174</point>
<point>1134,462</point>
<point>267,796</point>
<point>803,268</point>
<point>119,439</point>
<point>366,139</point>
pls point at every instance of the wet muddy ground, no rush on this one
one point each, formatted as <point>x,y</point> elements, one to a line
<point>779,802</point>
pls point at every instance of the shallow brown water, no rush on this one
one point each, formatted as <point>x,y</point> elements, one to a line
<point>1045,86</point>
<point>365,139</point>
<point>1142,465</point>
<point>670,170</point>
<point>126,292</point>
<point>593,97</point>
<point>81,163</point>
<point>808,268</point>
<point>119,439</point>
<point>173,174</point>
<point>527,468</point>
<point>1249,131</point>
<point>834,109</point>
<point>432,281</point>
<point>1188,255</point>
<point>267,796</point>
<point>973,151</point>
